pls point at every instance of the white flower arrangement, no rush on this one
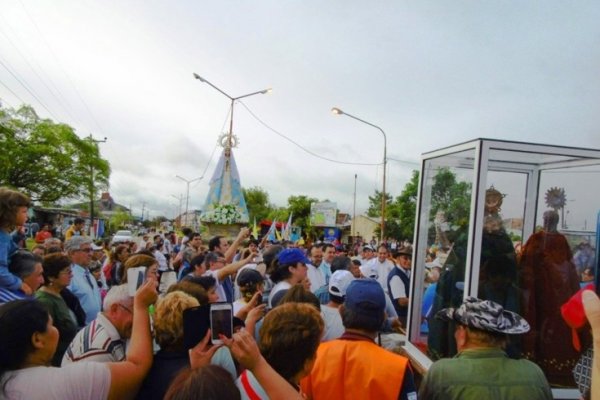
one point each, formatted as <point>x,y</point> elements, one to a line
<point>223,214</point>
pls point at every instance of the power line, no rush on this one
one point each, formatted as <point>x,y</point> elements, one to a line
<point>62,69</point>
<point>404,161</point>
<point>13,93</point>
<point>317,155</point>
<point>58,100</point>
<point>28,89</point>
<point>299,145</point>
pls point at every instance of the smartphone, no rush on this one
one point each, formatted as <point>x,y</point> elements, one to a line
<point>135,278</point>
<point>221,321</point>
<point>196,322</point>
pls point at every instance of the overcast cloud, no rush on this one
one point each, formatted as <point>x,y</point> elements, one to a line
<point>430,73</point>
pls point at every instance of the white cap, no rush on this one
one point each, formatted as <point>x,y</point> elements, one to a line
<point>369,271</point>
<point>339,282</point>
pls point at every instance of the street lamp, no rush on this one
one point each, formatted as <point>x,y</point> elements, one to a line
<point>337,111</point>
<point>233,99</point>
<point>187,194</point>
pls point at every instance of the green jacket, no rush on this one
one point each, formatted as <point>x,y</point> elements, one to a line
<point>484,374</point>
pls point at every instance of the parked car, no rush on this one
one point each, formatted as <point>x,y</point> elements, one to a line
<point>122,236</point>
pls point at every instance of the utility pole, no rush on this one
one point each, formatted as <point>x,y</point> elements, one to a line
<point>143,206</point>
<point>92,231</point>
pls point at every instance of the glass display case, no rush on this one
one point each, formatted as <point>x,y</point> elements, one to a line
<point>508,222</point>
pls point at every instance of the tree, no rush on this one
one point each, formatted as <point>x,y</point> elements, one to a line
<point>299,207</point>
<point>257,201</point>
<point>406,205</point>
<point>119,220</point>
<point>47,160</point>
<point>451,196</point>
<point>374,209</point>
<point>400,212</point>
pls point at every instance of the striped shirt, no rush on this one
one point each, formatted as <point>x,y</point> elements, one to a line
<point>99,341</point>
<point>8,295</point>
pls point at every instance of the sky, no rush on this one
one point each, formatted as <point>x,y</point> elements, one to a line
<point>430,73</point>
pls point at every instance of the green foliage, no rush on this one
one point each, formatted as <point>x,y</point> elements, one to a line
<point>374,209</point>
<point>257,201</point>
<point>400,213</point>
<point>119,220</point>
<point>406,205</point>
<point>299,206</point>
<point>47,160</point>
<point>451,196</point>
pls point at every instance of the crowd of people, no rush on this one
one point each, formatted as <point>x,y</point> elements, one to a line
<point>306,321</point>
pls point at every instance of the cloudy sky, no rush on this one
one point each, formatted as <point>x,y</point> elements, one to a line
<point>431,74</point>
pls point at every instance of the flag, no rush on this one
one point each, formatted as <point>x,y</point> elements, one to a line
<point>287,232</point>
<point>100,228</point>
<point>272,229</point>
<point>255,229</point>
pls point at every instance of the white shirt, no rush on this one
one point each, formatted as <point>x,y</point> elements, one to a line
<point>74,381</point>
<point>315,276</point>
<point>283,285</point>
<point>383,270</point>
<point>334,328</point>
<point>161,259</point>
<point>397,286</point>
<point>219,289</point>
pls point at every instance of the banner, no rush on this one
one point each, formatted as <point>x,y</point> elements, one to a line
<point>323,214</point>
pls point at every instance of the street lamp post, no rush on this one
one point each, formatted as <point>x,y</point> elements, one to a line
<point>337,111</point>
<point>233,99</point>
<point>187,193</point>
<point>180,200</point>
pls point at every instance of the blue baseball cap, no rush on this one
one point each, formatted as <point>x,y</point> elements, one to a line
<point>365,296</point>
<point>292,256</point>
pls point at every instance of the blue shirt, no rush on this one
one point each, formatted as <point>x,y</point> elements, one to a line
<point>7,295</point>
<point>84,286</point>
<point>7,248</point>
<point>326,270</point>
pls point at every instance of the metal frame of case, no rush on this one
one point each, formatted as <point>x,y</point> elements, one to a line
<point>484,156</point>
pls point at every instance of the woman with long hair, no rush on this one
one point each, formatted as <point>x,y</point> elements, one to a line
<point>28,341</point>
<point>114,267</point>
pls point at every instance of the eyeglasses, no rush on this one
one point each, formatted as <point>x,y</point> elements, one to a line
<point>125,308</point>
<point>66,271</point>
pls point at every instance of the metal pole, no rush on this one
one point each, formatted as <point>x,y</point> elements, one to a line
<point>336,110</point>
<point>230,125</point>
<point>91,231</point>
<point>354,210</point>
<point>187,197</point>
<point>383,199</point>
<point>187,201</point>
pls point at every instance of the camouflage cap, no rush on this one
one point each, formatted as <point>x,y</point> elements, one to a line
<point>485,315</point>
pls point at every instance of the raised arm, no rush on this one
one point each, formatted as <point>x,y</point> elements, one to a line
<point>230,253</point>
<point>231,269</point>
<point>127,376</point>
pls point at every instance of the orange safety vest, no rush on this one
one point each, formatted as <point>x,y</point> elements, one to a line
<point>355,369</point>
